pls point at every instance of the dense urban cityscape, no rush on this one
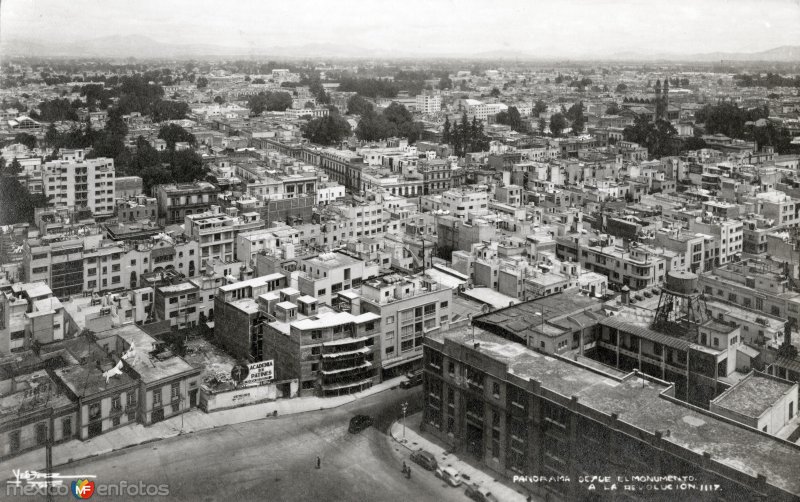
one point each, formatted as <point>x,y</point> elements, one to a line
<point>300,277</point>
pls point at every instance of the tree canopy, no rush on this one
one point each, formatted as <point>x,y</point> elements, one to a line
<point>269,101</point>
<point>557,124</point>
<point>327,130</point>
<point>173,133</point>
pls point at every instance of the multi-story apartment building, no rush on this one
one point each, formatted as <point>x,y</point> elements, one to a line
<point>475,109</point>
<point>332,353</point>
<point>517,411</point>
<point>342,222</point>
<point>428,102</point>
<point>325,275</point>
<point>177,303</point>
<point>638,267</point>
<point>175,201</point>
<point>237,321</point>
<point>410,308</point>
<point>437,176</point>
<point>728,239</point>
<point>778,207</point>
<point>214,231</point>
<point>75,181</point>
<point>689,247</point>
<point>462,203</point>
<point>136,208</point>
<point>754,284</point>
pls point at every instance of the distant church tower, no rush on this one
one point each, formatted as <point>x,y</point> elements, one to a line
<point>662,100</point>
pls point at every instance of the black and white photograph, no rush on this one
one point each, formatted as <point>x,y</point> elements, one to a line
<point>418,251</point>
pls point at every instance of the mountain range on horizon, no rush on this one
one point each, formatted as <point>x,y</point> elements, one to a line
<point>142,47</point>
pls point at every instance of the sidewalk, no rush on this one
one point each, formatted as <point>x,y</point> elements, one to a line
<point>192,421</point>
<point>505,492</point>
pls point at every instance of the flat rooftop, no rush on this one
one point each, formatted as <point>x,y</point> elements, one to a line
<point>149,368</point>
<point>754,395</point>
<point>531,316</point>
<point>639,402</point>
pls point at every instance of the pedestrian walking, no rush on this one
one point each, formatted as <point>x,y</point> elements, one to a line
<point>319,462</point>
<point>405,467</point>
<point>408,472</point>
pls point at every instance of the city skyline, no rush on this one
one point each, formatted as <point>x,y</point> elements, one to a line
<point>572,29</point>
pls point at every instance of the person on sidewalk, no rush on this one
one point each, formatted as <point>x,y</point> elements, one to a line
<point>405,467</point>
<point>319,462</point>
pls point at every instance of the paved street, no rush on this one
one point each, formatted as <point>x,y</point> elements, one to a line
<point>274,459</point>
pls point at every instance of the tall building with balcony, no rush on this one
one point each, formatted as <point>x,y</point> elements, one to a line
<point>332,353</point>
<point>177,200</point>
<point>410,308</point>
<point>215,232</point>
<point>75,181</point>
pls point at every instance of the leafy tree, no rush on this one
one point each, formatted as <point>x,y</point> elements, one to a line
<point>57,109</point>
<point>446,131</point>
<point>26,139</point>
<point>512,118</point>
<point>258,81</point>
<point>622,87</point>
<point>371,88</point>
<point>495,92</point>
<point>186,166</point>
<point>173,133</point>
<point>727,118</point>
<point>327,130</point>
<point>357,105</point>
<point>542,125</point>
<point>169,110</point>
<point>202,83</point>
<point>658,137</point>
<point>575,114</point>
<point>613,109</point>
<point>693,143</point>
<point>445,83</point>
<point>219,100</point>
<point>539,107</point>
<point>269,101</point>
<point>557,124</point>
<point>51,136</point>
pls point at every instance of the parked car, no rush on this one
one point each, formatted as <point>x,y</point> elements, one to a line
<point>358,423</point>
<point>449,475</point>
<point>479,493</point>
<point>425,459</point>
<point>412,378</point>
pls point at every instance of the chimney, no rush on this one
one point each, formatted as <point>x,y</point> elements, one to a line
<point>626,295</point>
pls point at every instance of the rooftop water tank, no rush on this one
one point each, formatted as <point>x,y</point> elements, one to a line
<point>681,282</point>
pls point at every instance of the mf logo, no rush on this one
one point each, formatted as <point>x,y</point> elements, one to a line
<point>82,488</point>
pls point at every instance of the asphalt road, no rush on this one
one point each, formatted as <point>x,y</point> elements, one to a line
<point>275,459</point>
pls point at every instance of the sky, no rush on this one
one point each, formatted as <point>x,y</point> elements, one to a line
<point>446,27</point>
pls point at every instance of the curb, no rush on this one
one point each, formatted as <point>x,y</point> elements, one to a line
<point>214,426</point>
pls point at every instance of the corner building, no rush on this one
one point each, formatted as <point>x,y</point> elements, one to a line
<point>521,413</point>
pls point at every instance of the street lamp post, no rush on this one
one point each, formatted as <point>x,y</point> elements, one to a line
<point>405,407</point>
